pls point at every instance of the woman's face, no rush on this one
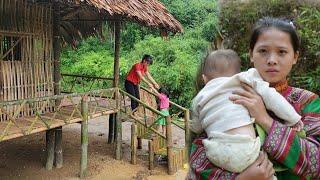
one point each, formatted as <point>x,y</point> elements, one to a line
<point>273,55</point>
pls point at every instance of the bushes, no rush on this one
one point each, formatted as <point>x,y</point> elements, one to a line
<point>175,63</point>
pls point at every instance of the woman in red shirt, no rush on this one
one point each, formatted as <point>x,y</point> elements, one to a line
<point>134,77</point>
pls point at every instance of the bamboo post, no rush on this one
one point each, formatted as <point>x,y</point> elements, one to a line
<point>56,45</point>
<point>169,145</point>
<point>133,143</point>
<point>119,136</point>
<point>151,155</point>
<point>139,142</point>
<point>116,70</point>
<point>84,137</point>
<point>56,78</point>
<point>50,148</point>
<point>117,42</point>
<point>111,128</point>
<point>187,135</point>
<point>58,161</point>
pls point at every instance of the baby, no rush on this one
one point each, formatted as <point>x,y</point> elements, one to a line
<point>232,143</point>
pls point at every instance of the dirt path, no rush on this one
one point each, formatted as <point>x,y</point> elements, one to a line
<point>24,158</point>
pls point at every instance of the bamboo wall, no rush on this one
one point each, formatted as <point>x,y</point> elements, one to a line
<point>31,75</point>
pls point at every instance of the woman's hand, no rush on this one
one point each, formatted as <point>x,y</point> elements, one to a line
<point>254,103</point>
<point>261,169</point>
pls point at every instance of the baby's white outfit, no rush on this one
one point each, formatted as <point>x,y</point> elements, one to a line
<point>213,112</point>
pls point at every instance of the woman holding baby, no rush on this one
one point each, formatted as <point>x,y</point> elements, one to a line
<point>274,49</point>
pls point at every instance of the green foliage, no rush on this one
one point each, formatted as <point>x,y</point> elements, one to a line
<point>133,33</point>
<point>309,22</point>
<point>174,65</point>
<point>191,13</point>
<point>92,58</point>
<point>176,60</point>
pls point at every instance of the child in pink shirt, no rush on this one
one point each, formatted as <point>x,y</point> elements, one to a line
<point>163,97</point>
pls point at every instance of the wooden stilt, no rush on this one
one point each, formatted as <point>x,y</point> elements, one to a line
<point>116,123</point>
<point>139,143</point>
<point>111,128</point>
<point>169,146</point>
<point>50,148</point>
<point>116,71</point>
<point>58,160</point>
<point>151,155</point>
<point>118,136</point>
<point>133,144</point>
<point>84,137</point>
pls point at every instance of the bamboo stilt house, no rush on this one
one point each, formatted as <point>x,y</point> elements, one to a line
<point>31,32</point>
<point>26,39</point>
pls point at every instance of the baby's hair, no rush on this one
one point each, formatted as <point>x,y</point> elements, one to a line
<point>283,25</point>
<point>163,90</point>
<point>223,62</point>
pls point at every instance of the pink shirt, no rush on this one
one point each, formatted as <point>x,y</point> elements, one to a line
<point>164,101</point>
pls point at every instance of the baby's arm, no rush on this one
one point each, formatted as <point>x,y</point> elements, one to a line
<point>273,100</point>
<point>277,104</point>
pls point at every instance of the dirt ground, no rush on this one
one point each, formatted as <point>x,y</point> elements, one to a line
<point>24,158</point>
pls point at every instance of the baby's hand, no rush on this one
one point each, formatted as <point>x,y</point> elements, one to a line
<point>298,126</point>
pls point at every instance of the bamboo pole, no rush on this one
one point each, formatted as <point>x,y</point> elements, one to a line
<point>187,135</point>
<point>84,137</point>
<point>151,155</point>
<point>50,148</point>
<point>116,70</point>
<point>90,77</point>
<point>117,42</point>
<point>58,161</point>
<point>57,77</point>
<point>133,143</point>
<point>119,136</point>
<point>139,142</point>
<point>111,128</point>
<point>169,145</point>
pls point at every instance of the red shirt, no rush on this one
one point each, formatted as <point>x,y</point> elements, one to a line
<point>133,75</point>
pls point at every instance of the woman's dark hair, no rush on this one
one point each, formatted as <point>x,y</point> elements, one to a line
<point>147,58</point>
<point>164,91</point>
<point>279,24</point>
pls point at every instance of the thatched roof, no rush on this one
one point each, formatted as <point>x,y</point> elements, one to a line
<point>86,17</point>
<point>148,12</point>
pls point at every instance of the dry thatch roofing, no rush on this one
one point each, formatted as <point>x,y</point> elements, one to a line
<point>148,12</point>
<point>82,18</point>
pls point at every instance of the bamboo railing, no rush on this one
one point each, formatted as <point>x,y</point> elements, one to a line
<point>66,111</point>
<point>149,128</point>
<point>71,83</point>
